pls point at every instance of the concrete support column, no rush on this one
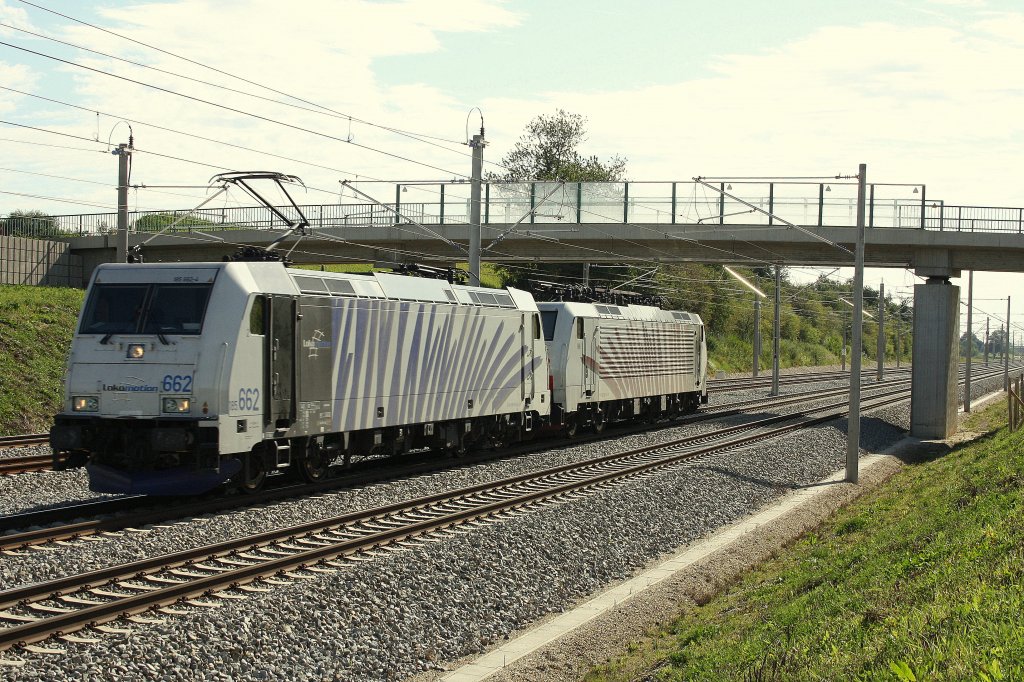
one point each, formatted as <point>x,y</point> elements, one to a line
<point>933,403</point>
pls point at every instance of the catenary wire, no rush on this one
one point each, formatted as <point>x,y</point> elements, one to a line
<point>232,109</point>
<point>234,76</point>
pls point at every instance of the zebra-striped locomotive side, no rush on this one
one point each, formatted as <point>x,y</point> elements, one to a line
<point>612,362</point>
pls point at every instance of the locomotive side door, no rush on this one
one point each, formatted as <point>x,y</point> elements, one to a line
<point>594,344</point>
<point>589,348</point>
<point>279,362</point>
<point>526,340</point>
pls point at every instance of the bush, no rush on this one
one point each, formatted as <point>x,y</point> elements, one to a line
<point>33,224</point>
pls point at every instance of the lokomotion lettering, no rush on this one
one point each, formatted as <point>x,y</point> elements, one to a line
<point>125,388</point>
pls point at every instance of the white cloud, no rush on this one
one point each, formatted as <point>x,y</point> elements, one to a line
<point>931,105</point>
<point>927,104</point>
<point>323,51</point>
<point>15,16</point>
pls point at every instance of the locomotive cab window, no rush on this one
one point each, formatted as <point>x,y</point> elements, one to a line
<point>579,328</point>
<point>536,326</point>
<point>146,309</point>
<point>548,319</point>
<point>113,309</point>
<point>257,316</point>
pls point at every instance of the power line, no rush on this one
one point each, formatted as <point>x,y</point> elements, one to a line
<point>234,76</point>
<point>53,146</point>
<point>178,132</point>
<point>58,177</point>
<point>325,112</point>
<point>66,201</point>
<point>533,236</point>
<point>231,109</point>
<point>52,132</point>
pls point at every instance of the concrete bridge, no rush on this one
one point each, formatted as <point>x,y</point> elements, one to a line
<point>734,222</point>
<point>598,222</point>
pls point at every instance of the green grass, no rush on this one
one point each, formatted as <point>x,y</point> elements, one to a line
<point>919,579</point>
<point>35,336</point>
<point>730,353</point>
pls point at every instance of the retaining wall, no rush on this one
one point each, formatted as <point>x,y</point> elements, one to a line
<point>39,262</point>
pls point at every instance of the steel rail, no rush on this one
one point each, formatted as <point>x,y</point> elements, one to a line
<point>800,378</point>
<point>69,530</point>
<point>318,546</point>
<point>23,440</point>
<point>20,465</point>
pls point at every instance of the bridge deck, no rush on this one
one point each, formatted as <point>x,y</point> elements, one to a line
<point>735,222</point>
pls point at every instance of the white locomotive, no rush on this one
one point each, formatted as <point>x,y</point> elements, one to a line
<point>611,362</point>
<point>184,376</point>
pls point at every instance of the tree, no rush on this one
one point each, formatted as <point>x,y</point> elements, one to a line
<point>997,341</point>
<point>29,224</point>
<point>154,222</point>
<point>549,150</point>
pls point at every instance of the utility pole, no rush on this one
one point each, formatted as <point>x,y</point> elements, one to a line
<point>776,330</point>
<point>970,341</point>
<point>881,329</point>
<point>123,154</point>
<point>899,318</point>
<point>987,319</point>
<point>853,422</point>
<point>757,335</point>
<point>846,322</point>
<point>477,144</point>
<point>1006,350</point>
<point>586,275</point>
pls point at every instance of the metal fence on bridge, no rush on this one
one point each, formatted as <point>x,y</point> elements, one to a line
<point>901,206</point>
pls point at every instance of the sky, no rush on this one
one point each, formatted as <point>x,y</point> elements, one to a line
<point>925,92</point>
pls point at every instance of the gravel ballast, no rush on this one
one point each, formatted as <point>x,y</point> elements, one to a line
<point>419,609</point>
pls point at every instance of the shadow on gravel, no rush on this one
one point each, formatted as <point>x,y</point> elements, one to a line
<point>761,482</point>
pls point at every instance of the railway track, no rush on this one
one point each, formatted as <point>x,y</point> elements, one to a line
<point>231,569</point>
<point>34,463</point>
<point>24,440</point>
<point>798,378</point>
<point>25,464</point>
<point>90,518</point>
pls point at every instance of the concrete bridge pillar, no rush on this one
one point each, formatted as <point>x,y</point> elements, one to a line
<point>933,403</point>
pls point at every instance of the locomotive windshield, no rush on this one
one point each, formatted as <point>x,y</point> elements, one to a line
<point>548,318</point>
<point>145,309</point>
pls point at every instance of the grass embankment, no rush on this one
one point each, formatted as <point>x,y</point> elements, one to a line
<point>731,353</point>
<point>919,579</point>
<point>35,336</point>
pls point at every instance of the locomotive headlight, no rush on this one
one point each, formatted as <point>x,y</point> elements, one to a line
<point>176,405</point>
<point>136,351</point>
<point>85,403</point>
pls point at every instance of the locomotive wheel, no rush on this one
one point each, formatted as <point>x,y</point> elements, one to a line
<point>254,473</point>
<point>572,426</point>
<point>600,421</point>
<point>315,462</point>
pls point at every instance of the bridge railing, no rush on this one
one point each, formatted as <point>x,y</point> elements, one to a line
<point>688,204</point>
